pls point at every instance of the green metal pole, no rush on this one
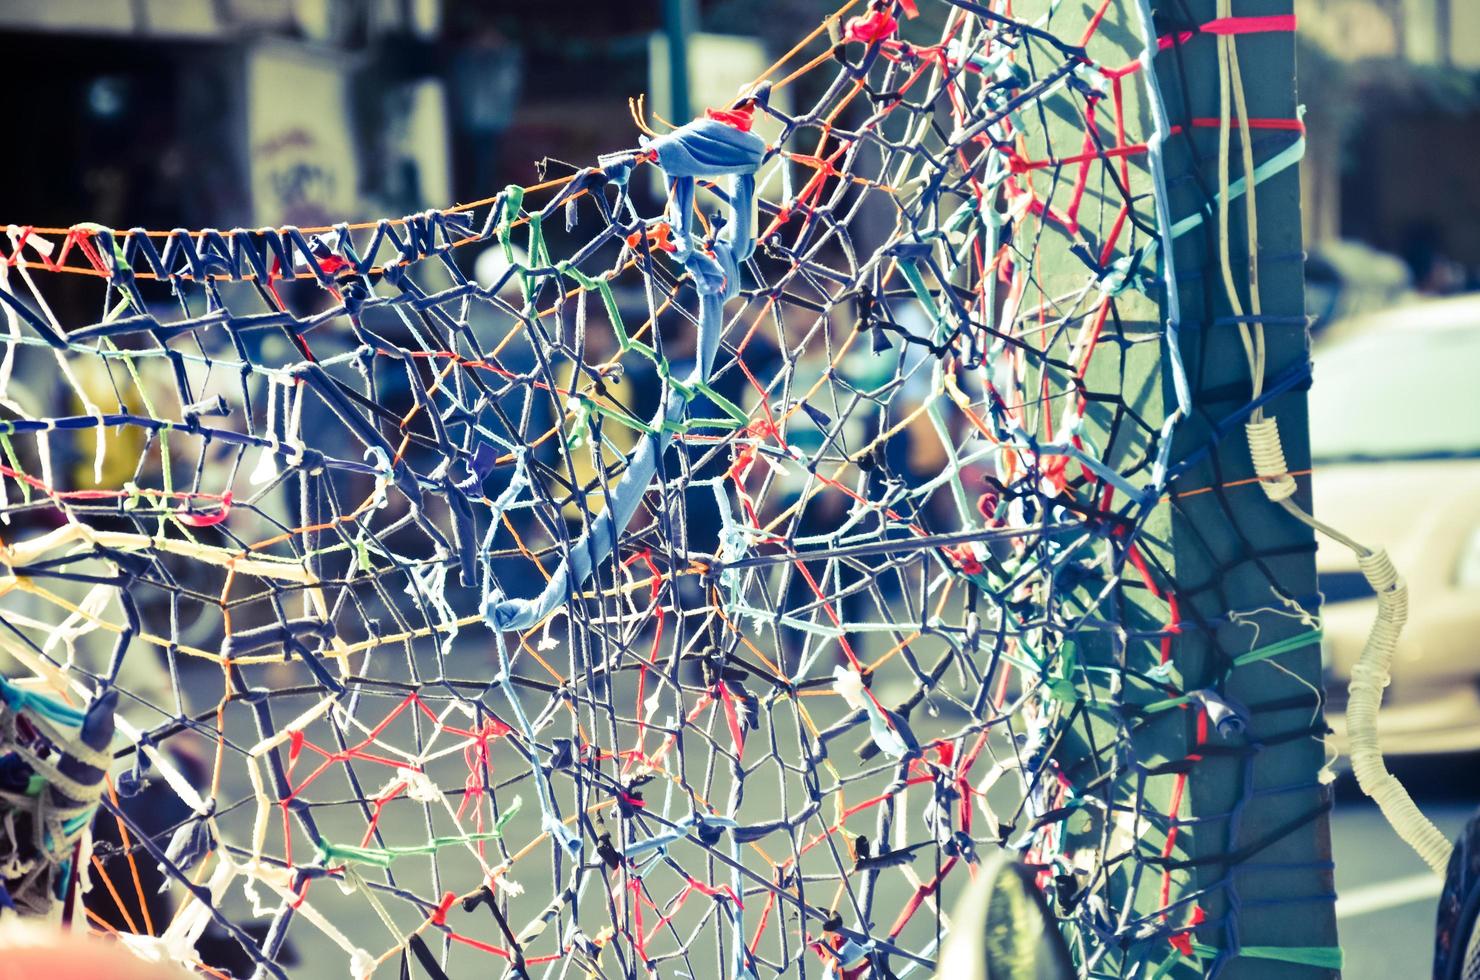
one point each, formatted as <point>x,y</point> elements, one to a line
<point>1233,550</point>
<point>678,24</point>
<point>1251,851</point>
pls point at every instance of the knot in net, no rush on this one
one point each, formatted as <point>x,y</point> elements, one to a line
<point>704,594</point>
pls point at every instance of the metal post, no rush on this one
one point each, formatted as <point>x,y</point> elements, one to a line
<point>678,24</point>
<point>1235,553</point>
<point>1251,848</point>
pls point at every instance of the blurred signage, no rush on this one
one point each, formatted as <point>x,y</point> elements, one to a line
<point>417,171</point>
<point>300,141</point>
<point>720,67</point>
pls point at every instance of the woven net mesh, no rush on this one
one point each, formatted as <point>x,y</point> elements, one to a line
<point>704,594</point>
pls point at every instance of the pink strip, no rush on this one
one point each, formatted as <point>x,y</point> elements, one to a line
<point>1232,25</point>
<point>1250,25</point>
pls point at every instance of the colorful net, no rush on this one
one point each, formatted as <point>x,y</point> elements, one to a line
<point>700,596</point>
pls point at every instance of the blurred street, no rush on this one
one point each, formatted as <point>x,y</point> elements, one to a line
<point>1386,898</point>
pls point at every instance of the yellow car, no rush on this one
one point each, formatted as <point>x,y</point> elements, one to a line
<point>1395,436</point>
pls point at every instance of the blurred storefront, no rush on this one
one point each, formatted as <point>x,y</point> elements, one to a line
<point>225,112</point>
<point>1393,95</point>
<point>218,113</point>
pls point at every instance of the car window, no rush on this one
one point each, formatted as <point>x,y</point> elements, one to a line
<point>1393,392</point>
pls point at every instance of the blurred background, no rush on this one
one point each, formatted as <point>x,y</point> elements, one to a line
<point>250,112</point>
<point>224,113</point>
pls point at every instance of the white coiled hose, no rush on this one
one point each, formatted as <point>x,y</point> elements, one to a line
<point>1370,674</point>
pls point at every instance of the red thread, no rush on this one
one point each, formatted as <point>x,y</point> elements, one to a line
<point>1293,125</point>
<point>499,950</point>
<point>1183,940</point>
<point>871,27</point>
<point>295,745</point>
<point>737,734</point>
<point>209,520</point>
<point>965,559</point>
<point>439,917</point>
<point>741,119</point>
<point>986,504</point>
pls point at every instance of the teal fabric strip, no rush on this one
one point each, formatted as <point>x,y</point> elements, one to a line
<point>1280,162</point>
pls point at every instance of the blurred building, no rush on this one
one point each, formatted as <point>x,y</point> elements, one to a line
<point>1392,89</point>
<point>218,113</point>
<point>223,112</point>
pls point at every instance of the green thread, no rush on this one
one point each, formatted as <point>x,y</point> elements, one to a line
<point>1166,704</point>
<point>383,857</point>
<point>15,464</point>
<point>1275,649</point>
<point>1323,957</point>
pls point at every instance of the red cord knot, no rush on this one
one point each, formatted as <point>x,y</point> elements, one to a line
<point>494,728</point>
<point>966,559</point>
<point>868,28</point>
<point>741,119</point>
<point>332,264</point>
<point>986,505</point>
<point>944,755</point>
<point>439,917</point>
<point>208,520</point>
<point>1182,941</point>
<point>295,745</point>
<point>659,236</point>
<point>20,244</point>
